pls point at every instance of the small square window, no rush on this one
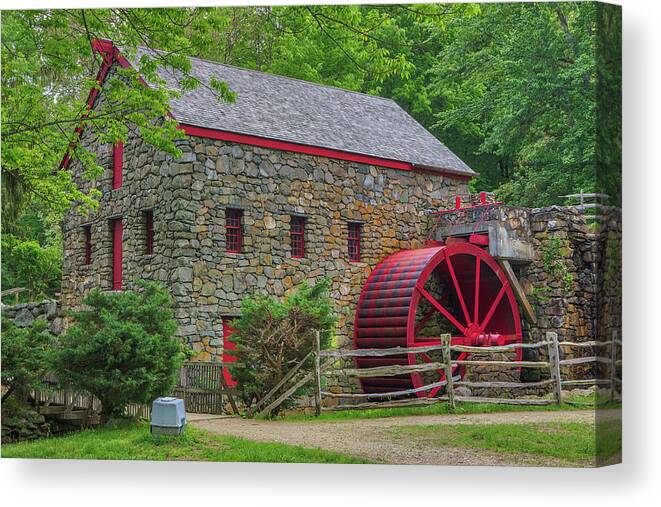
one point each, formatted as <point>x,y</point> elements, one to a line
<point>233,230</point>
<point>355,232</point>
<point>297,236</point>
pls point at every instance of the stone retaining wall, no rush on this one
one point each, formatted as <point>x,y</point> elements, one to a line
<point>24,314</point>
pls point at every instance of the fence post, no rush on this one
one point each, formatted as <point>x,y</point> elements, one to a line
<point>554,364</point>
<point>317,374</point>
<point>447,359</point>
<point>613,364</point>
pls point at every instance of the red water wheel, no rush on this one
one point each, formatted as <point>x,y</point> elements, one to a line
<point>414,296</point>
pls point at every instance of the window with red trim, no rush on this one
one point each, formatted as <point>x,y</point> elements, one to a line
<point>117,165</point>
<point>149,232</point>
<point>87,231</point>
<point>297,236</point>
<point>233,230</point>
<point>355,231</point>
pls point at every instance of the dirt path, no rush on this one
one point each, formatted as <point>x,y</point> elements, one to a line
<point>373,439</point>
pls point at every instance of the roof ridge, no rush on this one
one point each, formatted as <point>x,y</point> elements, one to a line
<point>280,76</point>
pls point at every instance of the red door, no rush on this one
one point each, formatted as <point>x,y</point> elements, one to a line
<point>117,253</point>
<point>228,346</point>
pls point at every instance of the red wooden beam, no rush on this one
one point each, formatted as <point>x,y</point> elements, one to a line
<point>112,55</point>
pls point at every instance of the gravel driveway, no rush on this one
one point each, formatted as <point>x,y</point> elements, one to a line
<point>373,439</point>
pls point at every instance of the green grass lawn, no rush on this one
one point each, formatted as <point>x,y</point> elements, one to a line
<point>586,402</point>
<point>132,441</point>
<point>573,443</point>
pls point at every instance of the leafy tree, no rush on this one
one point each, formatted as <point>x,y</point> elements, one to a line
<point>273,336</point>
<point>25,357</point>
<point>520,80</point>
<point>121,348</point>
<point>49,67</point>
<point>33,266</point>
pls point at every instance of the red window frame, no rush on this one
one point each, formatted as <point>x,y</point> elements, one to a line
<point>233,230</point>
<point>149,232</point>
<point>354,241</point>
<point>117,165</point>
<point>117,253</point>
<point>87,231</point>
<point>297,236</point>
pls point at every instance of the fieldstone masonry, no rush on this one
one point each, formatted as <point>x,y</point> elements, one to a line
<point>189,196</point>
<point>24,314</point>
<point>573,278</point>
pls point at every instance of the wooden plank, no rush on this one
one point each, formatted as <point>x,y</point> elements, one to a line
<point>520,294</point>
<point>226,389</point>
<point>418,402</point>
<point>512,364</point>
<point>586,382</point>
<point>505,401</point>
<point>390,394</point>
<point>410,402</point>
<point>585,344</point>
<point>317,375</point>
<point>52,409</point>
<point>307,378</point>
<point>388,371</point>
<point>392,351</point>
<point>497,348</point>
<point>282,382</point>
<point>554,360</point>
<point>583,360</point>
<point>504,385</point>
<point>447,358</point>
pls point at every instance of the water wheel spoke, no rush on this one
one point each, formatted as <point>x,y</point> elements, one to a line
<point>476,306</point>
<point>494,305</point>
<point>425,318</point>
<point>441,309</point>
<point>460,296</point>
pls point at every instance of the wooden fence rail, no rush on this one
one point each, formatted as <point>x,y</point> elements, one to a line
<point>553,365</point>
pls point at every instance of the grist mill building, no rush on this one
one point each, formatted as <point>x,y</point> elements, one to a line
<point>295,181</point>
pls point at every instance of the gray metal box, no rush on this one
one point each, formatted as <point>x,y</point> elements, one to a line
<point>168,416</point>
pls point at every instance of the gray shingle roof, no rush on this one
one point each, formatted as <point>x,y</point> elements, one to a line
<point>292,110</point>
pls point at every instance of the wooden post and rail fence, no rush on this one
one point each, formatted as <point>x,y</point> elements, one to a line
<point>397,398</point>
<point>203,388</point>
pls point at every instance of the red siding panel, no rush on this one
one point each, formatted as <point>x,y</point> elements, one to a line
<point>228,346</point>
<point>117,254</point>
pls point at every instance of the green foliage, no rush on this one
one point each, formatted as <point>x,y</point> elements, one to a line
<point>132,441</point>
<point>519,83</point>
<point>554,263</point>
<point>575,443</point>
<point>273,336</point>
<point>512,88</point>
<point>121,348</point>
<point>25,357</point>
<point>28,264</point>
